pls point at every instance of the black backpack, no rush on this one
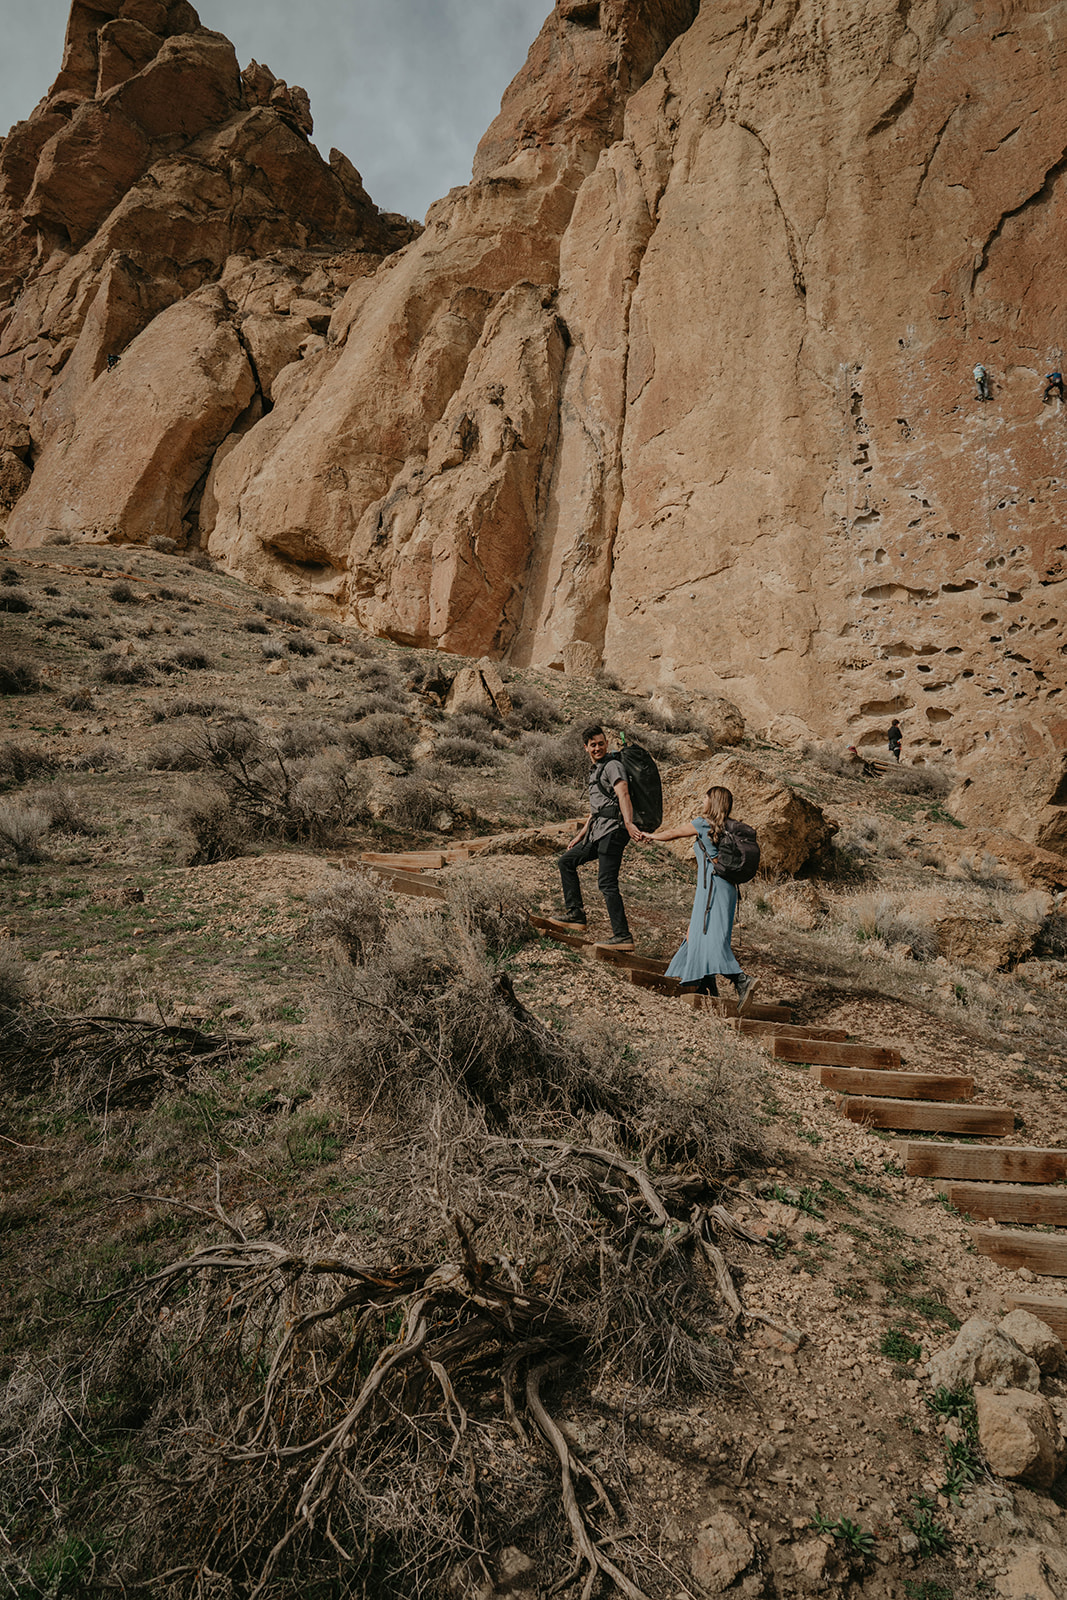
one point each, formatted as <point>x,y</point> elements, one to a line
<point>646,789</point>
<point>738,857</point>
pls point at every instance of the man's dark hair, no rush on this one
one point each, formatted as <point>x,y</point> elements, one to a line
<point>592,733</point>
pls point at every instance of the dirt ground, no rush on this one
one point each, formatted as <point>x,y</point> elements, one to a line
<point>820,1430</point>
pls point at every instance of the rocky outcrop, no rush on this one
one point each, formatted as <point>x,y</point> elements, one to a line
<point>791,829</point>
<point>152,169</point>
<point>679,384</point>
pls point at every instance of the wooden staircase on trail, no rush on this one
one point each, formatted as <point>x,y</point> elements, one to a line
<point>1016,1184</point>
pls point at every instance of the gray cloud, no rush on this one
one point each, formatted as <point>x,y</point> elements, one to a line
<point>405,88</point>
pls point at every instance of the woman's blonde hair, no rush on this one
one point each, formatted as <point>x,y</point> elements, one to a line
<point>717,807</point>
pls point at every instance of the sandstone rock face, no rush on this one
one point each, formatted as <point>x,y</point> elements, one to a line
<point>1020,1435</point>
<point>682,377</point>
<point>981,1354</point>
<point>791,829</point>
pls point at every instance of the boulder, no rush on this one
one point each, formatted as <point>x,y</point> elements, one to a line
<point>1020,1435</point>
<point>581,660</point>
<point>798,902</point>
<point>721,718</point>
<point>722,1550</point>
<point>977,936</point>
<point>479,688</point>
<point>791,829</point>
<point>1035,1338</point>
<point>981,1354</point>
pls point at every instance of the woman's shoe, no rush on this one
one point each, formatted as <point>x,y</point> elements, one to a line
<point>745,990</point>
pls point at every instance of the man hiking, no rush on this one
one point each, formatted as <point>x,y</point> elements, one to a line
<point>608,830</point>
<point>896,739</point>
<point>981,378</point>
<point>1053,386</point>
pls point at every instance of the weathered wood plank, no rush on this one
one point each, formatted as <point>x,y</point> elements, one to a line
<point>1043,1253</point>
<point>627,960</point>
<point>651,980</point>
<point>409,883</point>
<point>406,860</point>
<point>1051,1309</point>
<point>1005,1202</point>
<point>895,1085</point>
<point>990,1121</point>
<point>875,1058</point>
<point>785,1030</point>
<point>758,1013</point>
<point>1014,1163</point>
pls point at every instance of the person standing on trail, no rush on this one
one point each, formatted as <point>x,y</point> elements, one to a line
<point>706,949</point>
<point>896,739</point>
<point>608,829</point>
<point>1053,386</point>
<point>981,378</point>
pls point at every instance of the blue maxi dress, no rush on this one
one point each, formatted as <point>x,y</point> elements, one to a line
<point>706,951</point>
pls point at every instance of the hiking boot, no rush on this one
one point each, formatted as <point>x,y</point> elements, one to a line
<point>618,941</point>
<point>745,990</point>
<point>572,924</point>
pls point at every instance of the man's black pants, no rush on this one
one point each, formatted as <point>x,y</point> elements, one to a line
<point>607,852</point>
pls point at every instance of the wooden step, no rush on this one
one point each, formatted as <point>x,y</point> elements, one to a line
<point>650,980</point>
<point>785,1030</point>
<point>895,1085</point>
<point>406,860</point>
<point>1051,1309</point>
<point>1006,1202</point>
<point>1043,1253</point>
<point>660,984</point>
<point>1013,1163</point>
<point>932,1116</point>
<point>628,959</point>
<point>409,883</point>
<point>871,1057</point>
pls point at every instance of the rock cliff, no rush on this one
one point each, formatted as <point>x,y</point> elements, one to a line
<point>683,374</point>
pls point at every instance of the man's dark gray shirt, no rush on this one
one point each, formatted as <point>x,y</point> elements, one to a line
<point>605,807</point>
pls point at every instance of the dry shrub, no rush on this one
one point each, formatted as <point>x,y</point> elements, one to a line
<point>77,700</point>
<point>165,546</point>
<point>20,763</point>
<point>927,781</point>
<point>255,625</point>
<point>489,906</point>
<point>886,918</point>
<point>123,593</point>
<point>336,1413</point>
<point>266,794</point>
<point>300,645</point>
<point>19,677</point>
<point>1051,941</point>
<point>185,659</point>
<point>531,711</point>
<point>272,650</point>
<point>414,802</point>
<point>66,811</point>
<point>310,738</point>
<point>14,602</point>
<point>366,705</point>
<point>23,830</point>
<point>287,611</point>
<point>14,982</point>
<point>124,669</point>
<point>351,911</point>
<point>463,753</point>
<point>383,733</point>
<point>477,725</point>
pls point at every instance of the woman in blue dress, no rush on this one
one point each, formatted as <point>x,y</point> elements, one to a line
<point>706,949</point>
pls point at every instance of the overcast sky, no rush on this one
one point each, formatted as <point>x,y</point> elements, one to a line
<point>405,88</point>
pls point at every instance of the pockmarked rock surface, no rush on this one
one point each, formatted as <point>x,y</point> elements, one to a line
<point>682,377</point>
<point>790,828</point>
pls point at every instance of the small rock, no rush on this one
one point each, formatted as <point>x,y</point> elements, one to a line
<point>721,1552</point>
<point>1020,1435</point>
